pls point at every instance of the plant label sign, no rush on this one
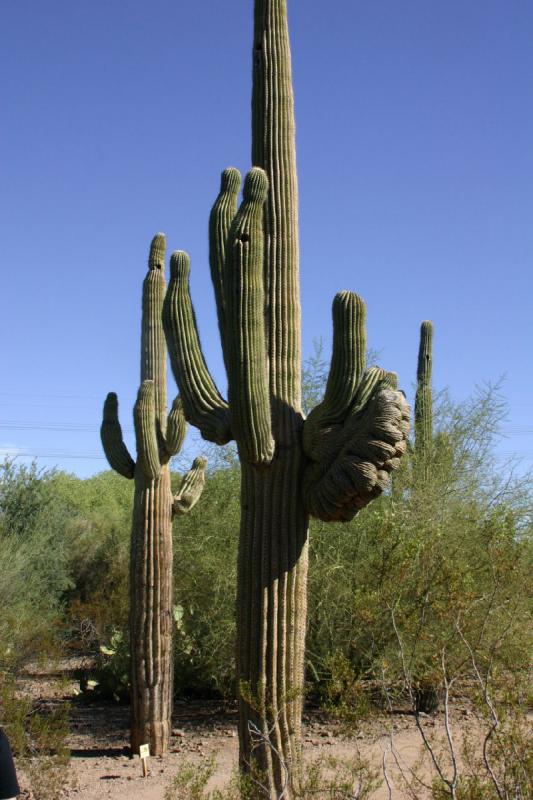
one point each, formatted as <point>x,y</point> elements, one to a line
<point>144,752</point>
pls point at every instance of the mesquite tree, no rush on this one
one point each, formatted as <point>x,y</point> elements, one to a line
<point>159,436</point>
<point>330,465</point>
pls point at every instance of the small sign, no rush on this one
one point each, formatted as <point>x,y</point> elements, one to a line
<point>144,752</point>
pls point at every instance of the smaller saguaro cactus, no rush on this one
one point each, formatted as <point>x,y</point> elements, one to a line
<point>159,436</point>
<point>423,400</point>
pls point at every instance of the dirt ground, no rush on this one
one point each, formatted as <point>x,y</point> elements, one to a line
<point>101,767</point>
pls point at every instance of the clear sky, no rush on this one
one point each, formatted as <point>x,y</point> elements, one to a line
<point>415,157</point>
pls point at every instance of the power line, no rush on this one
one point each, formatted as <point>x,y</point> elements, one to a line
<point>58,454</point>
<point>72,427</point>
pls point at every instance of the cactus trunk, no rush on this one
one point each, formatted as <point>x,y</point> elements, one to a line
<point>271,618</point>
<point>151,613</point>
<point>272,595</point>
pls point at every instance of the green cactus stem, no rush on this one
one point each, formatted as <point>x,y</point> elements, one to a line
<point>203,404</point>
<point>158,438</point>
<point>331,465</point>
<point>423,399</point>
<point>191,488</point>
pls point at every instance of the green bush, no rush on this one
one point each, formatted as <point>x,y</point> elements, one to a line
<point>454,549</point>
<point>34,570</point>
<point>205,568</point>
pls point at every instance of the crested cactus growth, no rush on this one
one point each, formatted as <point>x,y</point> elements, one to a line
<point>423,399</point>
<point>330,465</point>
<point>158,438</point>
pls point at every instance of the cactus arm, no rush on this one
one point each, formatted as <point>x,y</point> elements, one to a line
<point>144,416</point>
<point>423,398</point>
<point>191,487</point>
<point>348,354</point>
<point>350,463</point>
<point>355,437</point>
<point>115,450</point>
<point>176,428</point>
<point>202,402</point>
<point>246,357</point>
<point>220,220</point>
<point>347,364</point>
<point>153,345</point>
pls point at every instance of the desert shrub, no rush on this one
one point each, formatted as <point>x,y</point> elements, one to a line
<point>33,564</point>
<point>455,547</point>
<point>37,735</point>
<point>326,778</point>
<point>108,677</point>
<point>97,533</point>
<point>205,567</point>
<point>205,554</point>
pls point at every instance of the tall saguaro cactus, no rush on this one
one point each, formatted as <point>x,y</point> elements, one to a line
<point>330,465</point>
<point>423,398</point>
<point>159,436</point>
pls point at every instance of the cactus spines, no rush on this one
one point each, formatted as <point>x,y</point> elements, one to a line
<point>423,399</point>
<point>158,438</point>
<point>330,465</point>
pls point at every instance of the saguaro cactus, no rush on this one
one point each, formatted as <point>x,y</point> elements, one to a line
<point>330,465</point>
<point>159,437</point>
<point>423,398</point>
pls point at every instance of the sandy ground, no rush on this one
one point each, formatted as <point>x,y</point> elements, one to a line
<point>101,767</point>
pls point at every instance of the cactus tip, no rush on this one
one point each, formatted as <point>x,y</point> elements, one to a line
<point>230,180</point>
<point>346,300</point>
<point>256,185</point>
<point>146,389</point>
<point>180,264</point>
<point>156,258</point>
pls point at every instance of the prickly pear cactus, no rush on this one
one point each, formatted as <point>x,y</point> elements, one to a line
<point>330,465</point>
<point>159,436</point>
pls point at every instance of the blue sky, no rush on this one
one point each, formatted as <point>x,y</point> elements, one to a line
<point>414,125</point>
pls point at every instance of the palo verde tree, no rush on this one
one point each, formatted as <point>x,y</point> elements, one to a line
<point>330,465</point>
<point>159,436</point>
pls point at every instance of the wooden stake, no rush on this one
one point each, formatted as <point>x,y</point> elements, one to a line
<point>144,752</point>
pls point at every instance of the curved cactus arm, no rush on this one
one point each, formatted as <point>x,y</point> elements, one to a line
<point>203,405</point>
<point>144,418</point>
<point>350,462</point>
<point>191,487</point>
<point>176,428</point>
<point>111,435</point>
<point>423,399</point>
<point>220,220</point>
<point>246,354</point>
